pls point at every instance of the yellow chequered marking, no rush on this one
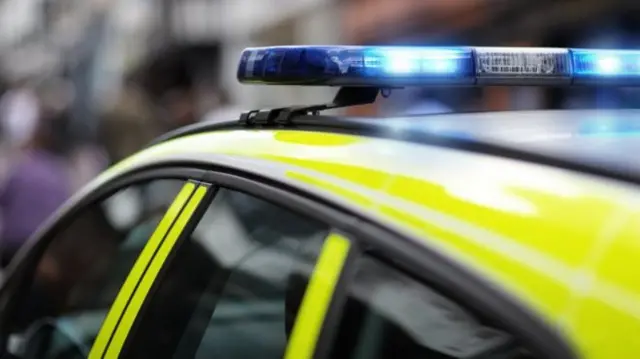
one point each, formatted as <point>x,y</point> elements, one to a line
<point>137,271</point>
<point>121,333</point>
<point>318,297</point>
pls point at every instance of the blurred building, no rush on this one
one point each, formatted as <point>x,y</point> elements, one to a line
<point>96,44</point>
<point>237,24</point>
<point>45,39</point>
<point>281,22</point>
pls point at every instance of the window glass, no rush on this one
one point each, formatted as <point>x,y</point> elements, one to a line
<point>81,271</point>
<point>388,312</point>
<point>232,289</point>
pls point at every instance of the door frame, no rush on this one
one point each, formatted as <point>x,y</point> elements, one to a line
<point>182,223</point>
<point>18,274</point>
<point>125,306</point>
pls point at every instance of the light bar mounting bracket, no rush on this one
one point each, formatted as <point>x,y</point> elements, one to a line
<point>346,96</point>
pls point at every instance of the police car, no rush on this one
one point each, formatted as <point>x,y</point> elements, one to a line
<point>286,233</point>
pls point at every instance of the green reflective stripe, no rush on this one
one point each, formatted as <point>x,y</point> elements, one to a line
<point>137,271</point>
<point>138,298</point>
<point>318,297</point>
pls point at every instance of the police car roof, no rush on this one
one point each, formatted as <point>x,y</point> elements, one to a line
<point>608,139</point>
<point>601,142</point>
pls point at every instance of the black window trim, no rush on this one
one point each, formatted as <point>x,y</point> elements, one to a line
<point>407,253</point>
<point>110,340</point>
<point>34,248</point>
<point>188,229</point>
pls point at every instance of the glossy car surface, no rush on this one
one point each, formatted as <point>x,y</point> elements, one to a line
<point>508,235</point>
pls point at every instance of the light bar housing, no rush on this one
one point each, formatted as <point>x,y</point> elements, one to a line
<point>389,66</point>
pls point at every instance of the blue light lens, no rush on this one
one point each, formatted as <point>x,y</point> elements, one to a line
<point>417,62</point>
<point>605,65</point>
<point>356,66</point>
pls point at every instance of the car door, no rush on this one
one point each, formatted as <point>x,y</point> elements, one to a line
<point>66,292</point>
<point>249,277</point>
<point>258,270</point>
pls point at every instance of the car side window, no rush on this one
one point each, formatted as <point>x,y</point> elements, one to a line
<point>233,287</point>
<point>80,272</point>
<point>387,312</point>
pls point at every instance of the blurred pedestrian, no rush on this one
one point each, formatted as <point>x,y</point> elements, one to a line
<point>35,185</point>
<point>128,125</point>
<point>427,107</point>
<point>19,111</point>
<point>86,159</point>
<point>221,108</point>
<point>181,107</point>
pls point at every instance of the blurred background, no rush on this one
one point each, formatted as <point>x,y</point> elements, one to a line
<point>84,83</point>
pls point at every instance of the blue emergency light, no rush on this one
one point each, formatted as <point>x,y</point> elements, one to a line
<point>385,66</point>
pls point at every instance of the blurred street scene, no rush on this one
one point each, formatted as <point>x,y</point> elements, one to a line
<point>86,83</point>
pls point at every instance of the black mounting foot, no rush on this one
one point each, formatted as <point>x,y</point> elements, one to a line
<point>346,96</point>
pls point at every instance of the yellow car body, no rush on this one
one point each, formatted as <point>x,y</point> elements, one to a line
<point>558,244</point>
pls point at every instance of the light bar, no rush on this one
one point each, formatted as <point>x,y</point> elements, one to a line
<point>386,66</point>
